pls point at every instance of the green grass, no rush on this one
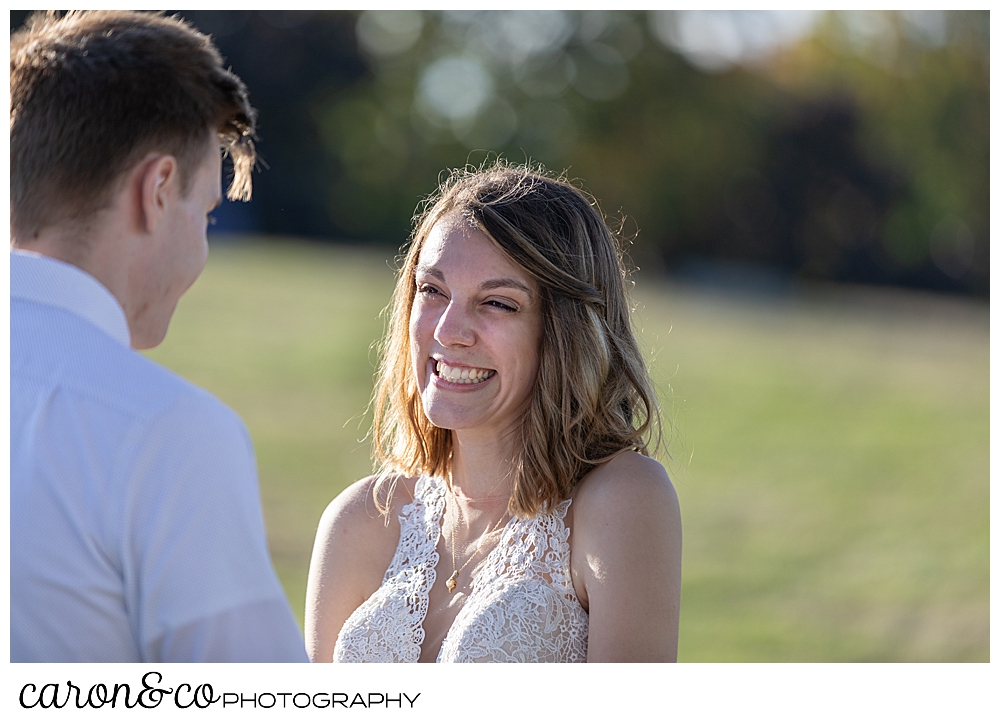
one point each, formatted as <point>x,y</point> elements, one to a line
<point>831,452</point>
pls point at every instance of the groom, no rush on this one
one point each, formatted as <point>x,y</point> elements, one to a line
<point>136,532</point>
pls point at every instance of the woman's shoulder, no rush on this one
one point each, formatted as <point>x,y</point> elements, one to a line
<point>353,515</point>
<point>354,545</point>
<point>624,484</point>
<point>626,536</point>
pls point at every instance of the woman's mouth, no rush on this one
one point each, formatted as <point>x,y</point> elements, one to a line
<point>462,375</point>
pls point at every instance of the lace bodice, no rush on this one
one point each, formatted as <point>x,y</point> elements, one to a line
<point>522,606</point>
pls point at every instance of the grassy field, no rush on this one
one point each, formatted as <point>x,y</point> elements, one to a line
<point>830,450</point>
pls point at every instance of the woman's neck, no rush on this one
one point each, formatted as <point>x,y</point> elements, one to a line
<point>482,471</point>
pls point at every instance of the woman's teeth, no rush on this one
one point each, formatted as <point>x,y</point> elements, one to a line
<point>463,375</point>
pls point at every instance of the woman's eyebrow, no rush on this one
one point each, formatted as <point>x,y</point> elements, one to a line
<point>507,283</point>
<point>429,270</point>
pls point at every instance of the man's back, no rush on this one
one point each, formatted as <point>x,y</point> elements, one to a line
<point>136,532</point>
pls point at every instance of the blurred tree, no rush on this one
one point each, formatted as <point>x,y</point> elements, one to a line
<point>919,82</point>
<point>828,159</point>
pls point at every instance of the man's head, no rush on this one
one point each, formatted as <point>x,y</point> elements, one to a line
<point>93,92</point>
<point>119,115</point>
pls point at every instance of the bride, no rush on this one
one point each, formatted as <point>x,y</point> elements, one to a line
<point>517,516</point>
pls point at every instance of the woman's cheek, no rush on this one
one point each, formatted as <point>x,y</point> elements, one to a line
<point>421,337</point>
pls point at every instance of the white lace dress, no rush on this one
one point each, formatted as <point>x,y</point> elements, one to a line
<point>522,607</point>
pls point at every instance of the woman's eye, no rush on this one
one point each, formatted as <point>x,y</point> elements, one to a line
<point>500,305</point>
<point>426,289</point>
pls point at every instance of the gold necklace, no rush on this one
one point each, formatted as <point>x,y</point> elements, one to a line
<point>452,582</point>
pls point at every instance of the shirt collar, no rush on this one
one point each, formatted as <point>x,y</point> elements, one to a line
<point>45,280</point>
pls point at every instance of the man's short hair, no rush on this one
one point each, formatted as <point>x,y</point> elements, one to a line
<point>93,92</point>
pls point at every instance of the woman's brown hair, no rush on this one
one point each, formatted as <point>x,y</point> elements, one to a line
<point>593,398</point>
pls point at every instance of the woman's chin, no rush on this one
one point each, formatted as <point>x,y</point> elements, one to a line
<point>448,420</point>
<point>448,416</point>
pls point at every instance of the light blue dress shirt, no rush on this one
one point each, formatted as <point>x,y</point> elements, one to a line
<point>136,533</point>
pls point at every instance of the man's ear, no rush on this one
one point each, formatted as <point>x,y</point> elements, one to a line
<point>159,180</point>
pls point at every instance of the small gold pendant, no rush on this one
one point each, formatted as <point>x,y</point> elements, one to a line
<point>452,582</point>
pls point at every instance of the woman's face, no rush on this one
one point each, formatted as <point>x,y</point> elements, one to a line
<point>475,331</point>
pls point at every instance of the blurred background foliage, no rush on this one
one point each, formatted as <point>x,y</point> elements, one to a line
<point>848,145</point>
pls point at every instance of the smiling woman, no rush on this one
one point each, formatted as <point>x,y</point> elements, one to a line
<point>513,418</point>
<point>475,327</point>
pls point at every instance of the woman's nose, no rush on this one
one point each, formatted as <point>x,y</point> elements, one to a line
<point>454,327</point>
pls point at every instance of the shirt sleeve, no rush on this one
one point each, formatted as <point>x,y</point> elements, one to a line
<point>225,637</point>
<point>199,585</point>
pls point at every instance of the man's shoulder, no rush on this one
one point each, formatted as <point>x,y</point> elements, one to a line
<point>73,355</point>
